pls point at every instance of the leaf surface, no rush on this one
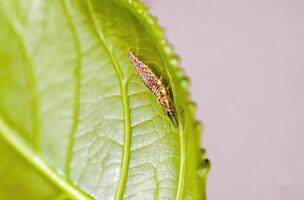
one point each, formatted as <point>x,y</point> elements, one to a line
<point>75,119</point>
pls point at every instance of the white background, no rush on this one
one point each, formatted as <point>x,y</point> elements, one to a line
<point>246,62</point>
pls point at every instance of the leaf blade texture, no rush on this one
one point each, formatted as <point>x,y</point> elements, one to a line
<point>75,115</point>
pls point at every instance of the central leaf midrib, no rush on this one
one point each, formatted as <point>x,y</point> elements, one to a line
<point>123,83</point>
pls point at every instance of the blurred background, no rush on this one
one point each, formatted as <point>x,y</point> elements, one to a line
<point>246,62</point>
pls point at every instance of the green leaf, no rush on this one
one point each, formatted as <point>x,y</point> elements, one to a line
<point>76,121</point>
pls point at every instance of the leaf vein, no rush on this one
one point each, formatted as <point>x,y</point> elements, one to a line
<point>77,91</point>
<point>126,110</point>
<point>17,29</point>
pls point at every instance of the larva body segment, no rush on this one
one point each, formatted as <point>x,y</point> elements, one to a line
<point>156,85</point>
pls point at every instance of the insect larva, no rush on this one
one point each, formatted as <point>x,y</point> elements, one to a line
<point>156,85</point>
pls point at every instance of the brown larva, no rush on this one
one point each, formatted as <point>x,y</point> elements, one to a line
<point>156,85</point>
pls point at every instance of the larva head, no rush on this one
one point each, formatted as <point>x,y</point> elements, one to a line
<point>168,108</point>
<point>173,118</point>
